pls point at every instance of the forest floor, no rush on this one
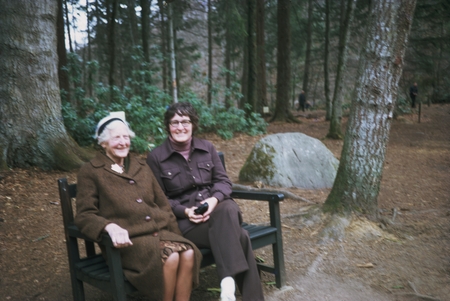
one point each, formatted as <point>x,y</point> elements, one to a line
<point>405,257</point>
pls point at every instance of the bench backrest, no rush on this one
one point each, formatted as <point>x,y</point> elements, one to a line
<point>68,192</point>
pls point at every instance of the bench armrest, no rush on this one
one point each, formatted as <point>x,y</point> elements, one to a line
<point>273,198</point>
<point>257,195</point>
<point>75,232</point>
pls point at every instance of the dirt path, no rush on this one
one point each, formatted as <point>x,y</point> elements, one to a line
<point>408,260</point>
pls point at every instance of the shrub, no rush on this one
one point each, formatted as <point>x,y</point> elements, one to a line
<point>402,106</point>
<point>144,106</point>
<point>217,119</point>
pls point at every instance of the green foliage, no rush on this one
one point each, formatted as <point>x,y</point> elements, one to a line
<point>217,119</point>
<point>402,106</point>
<point>144,116</point>
<point>346,106</point>
<point>144,106</point>
<point>73,67</point>
<point>81,129</point>
<point>234,91</point>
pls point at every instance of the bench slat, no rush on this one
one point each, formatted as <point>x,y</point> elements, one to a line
<point>261,231</point>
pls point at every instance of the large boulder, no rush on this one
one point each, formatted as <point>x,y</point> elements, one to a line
<point>290,160</point>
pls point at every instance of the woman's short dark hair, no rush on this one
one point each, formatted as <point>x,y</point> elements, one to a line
<point>182,109</point>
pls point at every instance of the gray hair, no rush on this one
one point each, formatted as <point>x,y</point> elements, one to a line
<point>106,135</point>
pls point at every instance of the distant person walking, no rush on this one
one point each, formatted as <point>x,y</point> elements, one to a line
<point>302,101</point>
<point>413,93</point>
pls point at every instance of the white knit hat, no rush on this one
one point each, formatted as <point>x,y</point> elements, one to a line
<point>120,115</point>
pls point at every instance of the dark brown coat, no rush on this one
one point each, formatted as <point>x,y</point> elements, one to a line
<point>188,182</point>
<point>133,200</point>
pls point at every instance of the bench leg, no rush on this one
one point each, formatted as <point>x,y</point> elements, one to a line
<point>278,260</point>
<point>119,293</point>
<point>77,289</point>
<point>116,274</point>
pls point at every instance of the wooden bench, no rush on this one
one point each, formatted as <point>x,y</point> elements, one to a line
<point>90,268</point>
<point>108,276</point>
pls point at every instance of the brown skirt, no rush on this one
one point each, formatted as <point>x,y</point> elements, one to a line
<point>168,247</point>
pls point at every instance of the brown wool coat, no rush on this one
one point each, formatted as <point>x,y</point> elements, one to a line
<point>133,200</point>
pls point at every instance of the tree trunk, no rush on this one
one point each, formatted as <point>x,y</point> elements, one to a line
<point>308,47</point>
<point>63,77</point>
<point>316,84</point>
<point>175,51</point>
<point>261,57</point>
<point>251,38</point>
<point>210,58</point>
<point>172,56</point>
<point>437,66</point>
<point>90,79</point>
<point>326,67</point>
<point>163,45</point>
<point>31,129</point>
<point>335,131</point>
<point>244,80</point>
<point>121,62</point>
<point>112,47</point>
<point>145,24</point>
<point>145,34</point>
<point>100,39</point>
<point>228,102</point>
<point>282,112</point>
<point>134,31</point>
<point>358,179</point>
<point>69,36</point>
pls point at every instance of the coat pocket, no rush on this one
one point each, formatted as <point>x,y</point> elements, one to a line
<point>205,168</point>
<point>171,179</point>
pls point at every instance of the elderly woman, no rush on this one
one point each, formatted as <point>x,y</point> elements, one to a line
<point>191,174</point>
<point>118,194</point>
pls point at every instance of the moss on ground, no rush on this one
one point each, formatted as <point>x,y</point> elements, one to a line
<point>259,164</point>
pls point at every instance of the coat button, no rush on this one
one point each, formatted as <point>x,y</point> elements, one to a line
<point>132,182</point>
<point>207,165</point>
<point>139,201</point>
<point>148,218</point>
<point>169,173</point>
<point>193,177</point>
<point>155,234</point>
<point>199,194</point>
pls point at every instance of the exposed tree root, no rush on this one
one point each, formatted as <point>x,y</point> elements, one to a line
<point>335,136</point>
<point>288,117</point>
<point>337,226</point>
<point>334,228</point>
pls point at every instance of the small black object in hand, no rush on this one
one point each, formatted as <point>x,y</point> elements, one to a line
<point>201,209</point>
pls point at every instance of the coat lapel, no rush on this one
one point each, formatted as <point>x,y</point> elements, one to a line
<point>135,166</point>
<point>102,161</point>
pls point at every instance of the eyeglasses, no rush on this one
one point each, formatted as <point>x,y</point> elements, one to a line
<point>184,123</point>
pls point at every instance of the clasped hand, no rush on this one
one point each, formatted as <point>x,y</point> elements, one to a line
<point>201,218</point>
<point>119,235</point>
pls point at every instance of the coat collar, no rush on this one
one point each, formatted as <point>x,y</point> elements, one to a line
<point>101,160</point>
<point>167,149</point>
